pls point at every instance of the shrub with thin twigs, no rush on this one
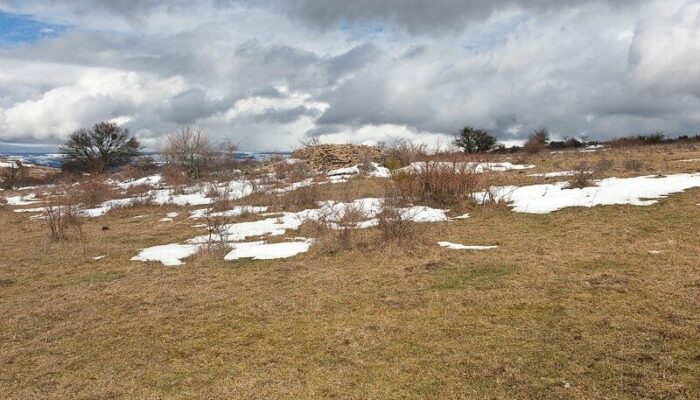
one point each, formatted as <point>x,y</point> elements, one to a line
<point>395,223</point>
<point>62,215</point>
<point>303,198</point>
<point>438,183</point>
<point>93,191</point>
<point>584,173</point>
<point>399,153</point>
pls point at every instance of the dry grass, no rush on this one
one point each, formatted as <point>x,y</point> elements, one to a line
<point>571,305</point>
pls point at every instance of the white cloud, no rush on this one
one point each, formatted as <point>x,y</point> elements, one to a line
<point>266,75</point>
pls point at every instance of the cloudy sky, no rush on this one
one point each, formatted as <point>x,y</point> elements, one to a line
<point>267,73</point>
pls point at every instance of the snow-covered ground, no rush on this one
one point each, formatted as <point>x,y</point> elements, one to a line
<point>639,191</point>
<point>330,213</point>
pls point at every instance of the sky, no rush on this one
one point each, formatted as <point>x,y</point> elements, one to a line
<point>269,73</point>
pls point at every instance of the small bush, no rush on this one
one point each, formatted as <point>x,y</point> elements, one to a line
<point>304,198</point>
<point>104,147</point>
<point>395,224</point>
<point>585,173</point>
<point>537,141</point>
<point>437,183</point>
<point>93,191</point>
<point>62,216</point>
<point>400,153</point>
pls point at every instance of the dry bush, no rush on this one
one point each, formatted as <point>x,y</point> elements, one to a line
<point>176,177</point>
<point>537,141</point>
<point>395,224</point>
<point>94,191</point>
<point>304,198</point>
<point>62,215</point>
<point>336,229</point>
<point>190,149</point>
<point>292,172</point>
<point>585,172</point>
<point>399,153</point>
<point>440,184</point>
<point>3,203</point>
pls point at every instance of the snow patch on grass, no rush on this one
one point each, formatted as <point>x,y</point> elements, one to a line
<point>639,191</point>
<point>268,251</point>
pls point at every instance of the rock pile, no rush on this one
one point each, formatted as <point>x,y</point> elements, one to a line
<point>332,156</point>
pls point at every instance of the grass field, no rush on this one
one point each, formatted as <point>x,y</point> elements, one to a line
<point>571,304</point>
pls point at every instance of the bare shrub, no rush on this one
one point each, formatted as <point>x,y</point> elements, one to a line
<point>62,216</point>
<point>189,148</point>
<point>176,177</point>
<point>400,153</point>
<point>537,141</point>
<point>336,228</point>
<point>437,183</point>
<point>395,223</point>
<point>93,191</point>
<point>584,173</point>
<point>306,197</point>
<point>284,169</point>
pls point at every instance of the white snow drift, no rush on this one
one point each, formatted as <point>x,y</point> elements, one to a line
<point>639,191</point>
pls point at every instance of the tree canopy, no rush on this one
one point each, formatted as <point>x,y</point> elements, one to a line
<point>473,140</point>
<point>103,147</point>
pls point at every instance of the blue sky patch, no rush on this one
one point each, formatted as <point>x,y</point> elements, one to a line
<point>16,29</point>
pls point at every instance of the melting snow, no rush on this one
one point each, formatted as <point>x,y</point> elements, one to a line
<point>456,246</point>
<point>22,200</point>
<point>639,191</point>
<point>168,254</point>
<point>554,174</point>
<point>268,251</point>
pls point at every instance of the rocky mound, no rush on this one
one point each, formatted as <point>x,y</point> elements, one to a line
<point>332,156</point>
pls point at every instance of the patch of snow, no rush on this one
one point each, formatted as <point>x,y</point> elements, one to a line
<point>463,216</point>
<point>689,160</point>
<point>654,252</point>
<point>172,214</point>
<point>639,191</point>
<point>235,212</point>
<point>8,165</point>
<point>168,254</point>
<point>167,219</point>
<point>152,180</point>
<point>457,246</point>
<point>98,258</point>
<point>268,251</point>
<point>380,171</point>
<point>22,200</point>
<point>354,170</point>
<point>554,174</point>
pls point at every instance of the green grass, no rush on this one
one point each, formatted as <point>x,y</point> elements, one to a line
<point>479,276</point>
